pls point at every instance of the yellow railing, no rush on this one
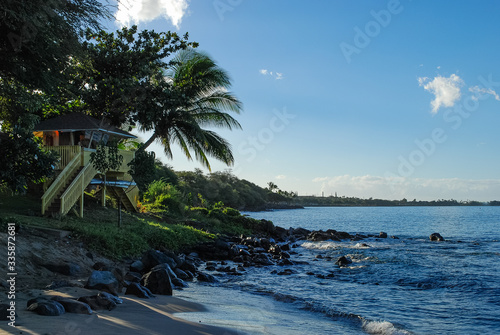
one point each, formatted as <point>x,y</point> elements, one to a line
<point>66,154</point>
<point>75,189</point>
<point>133,194</point>
<point>72,157</point>
<point>61,180</point>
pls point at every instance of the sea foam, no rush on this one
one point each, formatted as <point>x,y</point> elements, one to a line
<point>383,328</point>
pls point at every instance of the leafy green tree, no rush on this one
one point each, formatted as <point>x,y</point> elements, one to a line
<point>38,40</point>
<point>106,158</point>
<point>143,169</point>
<point>272,187</point>
<point>23,159</point>
<point>38,37</point>
<point>197,96</point>
<point>124,71</point>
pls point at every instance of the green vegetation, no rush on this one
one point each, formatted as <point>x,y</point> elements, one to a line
<point>56,59</point>
<point>196,97</point>
<point>353,201</point>
<point>23,160</point>
<point>37,40</point>
<point>166,222</point>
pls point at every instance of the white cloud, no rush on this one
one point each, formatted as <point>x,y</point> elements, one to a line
<point>275,75</point>
<point>445,90</point>
<point>280,177</point>
<point>481,92</point>
<point>410,188</point>
<point>135,11</point>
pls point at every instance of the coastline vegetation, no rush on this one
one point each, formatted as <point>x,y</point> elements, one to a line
<point>138,232</point>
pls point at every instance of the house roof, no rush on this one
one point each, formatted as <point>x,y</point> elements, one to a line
<point>80,122</point>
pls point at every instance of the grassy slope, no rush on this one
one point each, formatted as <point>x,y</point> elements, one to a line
<point>99,230</point>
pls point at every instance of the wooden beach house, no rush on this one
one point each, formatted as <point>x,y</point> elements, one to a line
<point>74,137</point>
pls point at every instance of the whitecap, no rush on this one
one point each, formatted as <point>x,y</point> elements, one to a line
<point>382,328</point>
<point>327,245</point>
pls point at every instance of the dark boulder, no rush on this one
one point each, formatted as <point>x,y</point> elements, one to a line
<point>158,281</point>
<point>132,277</point>
<point>274,249</point>
<point>285,247</point>
<point>188,265</point>
<point>99,302</point>
<point>139,291</point>
<point>137,266</point>
<point>284,254</point>
<point>343,261</point>
<point>259,250</point>
<point>213,251</point>
<point>222,244</point>
<point>285,261</point>
<point>152,258</point>
<point>167,267</point>
<point>44,306</point>
<point>108,296</point>
<point>330,234</point>
<point>104,280</point>
<point>178,283</point>
<point>245,252</point>
<point>73,306</point>
<point>341,235</point>
<point>436,237</point>
<point>205,277</point>
<point>262,259</point>
<point>100,266</point>
<point>183,274</point>
<point>280,233</point>
<point>266,243</point>
<point>382,234</point>
<point>318,236</point>
<point>299,233</point>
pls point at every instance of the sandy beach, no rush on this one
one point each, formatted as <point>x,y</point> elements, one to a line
<point>134,316</point>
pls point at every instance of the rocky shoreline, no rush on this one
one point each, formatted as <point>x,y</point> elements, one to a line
<point>160,272</point>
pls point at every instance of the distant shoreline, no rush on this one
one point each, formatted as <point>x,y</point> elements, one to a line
<point>393,203</point>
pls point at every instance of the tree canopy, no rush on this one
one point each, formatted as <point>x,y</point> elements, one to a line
<point>122,72</point>
<point>38,37</point>
<point>130,78</point>
<point>196,96</point>
<point>55,59</point>
<point>38,40</point>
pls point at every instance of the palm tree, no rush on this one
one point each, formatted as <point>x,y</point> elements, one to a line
<point>195,95</point>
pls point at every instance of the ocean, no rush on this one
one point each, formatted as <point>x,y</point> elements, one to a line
<point>403,285</point>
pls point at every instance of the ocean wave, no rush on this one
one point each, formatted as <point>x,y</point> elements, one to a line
<point>383,328</point>
<point>326,245</point>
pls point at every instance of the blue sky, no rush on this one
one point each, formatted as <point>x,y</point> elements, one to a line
<point>383,99</point>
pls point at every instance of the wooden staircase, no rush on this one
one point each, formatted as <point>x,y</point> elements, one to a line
<point>55,206</point>
<point>67,189</point>
<point>127,196</point>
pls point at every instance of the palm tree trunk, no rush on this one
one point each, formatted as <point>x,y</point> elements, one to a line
<point>149,141</point>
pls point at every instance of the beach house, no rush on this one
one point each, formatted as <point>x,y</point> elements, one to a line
<point>74,137</point>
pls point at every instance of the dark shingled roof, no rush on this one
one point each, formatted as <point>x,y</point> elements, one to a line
<point>78,122</point>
